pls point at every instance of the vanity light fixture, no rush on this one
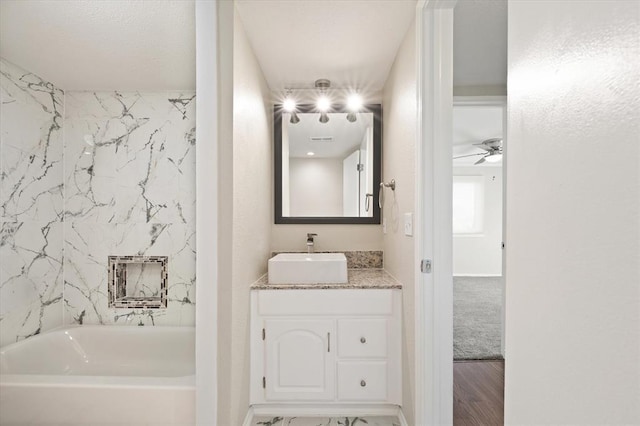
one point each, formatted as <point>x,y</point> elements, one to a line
<point>294,118</point>
<point>323,104</point>
<point>354,105</point>
<point>289,105</point>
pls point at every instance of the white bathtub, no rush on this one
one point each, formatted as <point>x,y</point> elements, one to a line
<point>100,375</point>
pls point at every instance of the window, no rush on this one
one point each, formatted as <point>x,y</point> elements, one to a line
<point>468,204</point>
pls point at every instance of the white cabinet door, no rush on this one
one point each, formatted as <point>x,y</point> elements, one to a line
<point>299,360</point>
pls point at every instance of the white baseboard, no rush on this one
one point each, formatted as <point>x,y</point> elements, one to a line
<point>478,275</point>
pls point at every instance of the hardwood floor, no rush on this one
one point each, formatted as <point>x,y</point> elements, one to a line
<point>478,393</point>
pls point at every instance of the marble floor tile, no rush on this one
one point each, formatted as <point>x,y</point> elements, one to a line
<point>325,421</point>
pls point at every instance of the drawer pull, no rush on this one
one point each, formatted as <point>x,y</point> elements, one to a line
<point>363,340</point>
<point>363,383</point>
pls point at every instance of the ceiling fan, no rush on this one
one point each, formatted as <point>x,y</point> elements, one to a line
<point>492,148</point>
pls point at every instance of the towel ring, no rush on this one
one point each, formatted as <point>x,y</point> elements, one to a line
<point>391,184</point>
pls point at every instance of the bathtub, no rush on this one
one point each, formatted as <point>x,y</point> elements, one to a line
<point>100,375</point>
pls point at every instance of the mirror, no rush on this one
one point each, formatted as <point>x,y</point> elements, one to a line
<point>327,172</point>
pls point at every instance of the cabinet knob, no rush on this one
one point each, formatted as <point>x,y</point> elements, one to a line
<point>363,383</point>
<point>363,340</point>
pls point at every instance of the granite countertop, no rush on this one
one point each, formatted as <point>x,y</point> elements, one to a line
<point>358,279</point>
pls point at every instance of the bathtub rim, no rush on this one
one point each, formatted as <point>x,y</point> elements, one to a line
<point>92,381</point>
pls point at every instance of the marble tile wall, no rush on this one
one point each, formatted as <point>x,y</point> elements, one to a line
<point>129,161</point>
<point>31,204</point>
<point>91,174</point>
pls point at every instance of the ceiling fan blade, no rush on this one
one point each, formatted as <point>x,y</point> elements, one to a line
<point>483,146</point>
<point>480,161</point>
<point>469,155</point>
<point>490,145</point>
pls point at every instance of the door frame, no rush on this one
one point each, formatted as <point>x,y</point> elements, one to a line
<point>434,292</point>
<point>207,126</point>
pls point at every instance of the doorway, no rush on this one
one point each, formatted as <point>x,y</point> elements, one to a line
<point>478,191</point>
<point>477,225</point>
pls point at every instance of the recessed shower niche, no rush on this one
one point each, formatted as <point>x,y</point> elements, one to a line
<point>138,281</point>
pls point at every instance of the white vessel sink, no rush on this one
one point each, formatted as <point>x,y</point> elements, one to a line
<point>311,268</point>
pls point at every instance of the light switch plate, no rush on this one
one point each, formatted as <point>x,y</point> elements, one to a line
<point>408,224</point>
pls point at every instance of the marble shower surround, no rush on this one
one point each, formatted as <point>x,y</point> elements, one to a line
<point>129,190</point>
<point>90,174</point>
<point>31,204</point>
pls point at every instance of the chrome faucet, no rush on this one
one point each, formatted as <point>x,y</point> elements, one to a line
<point>310,242</point>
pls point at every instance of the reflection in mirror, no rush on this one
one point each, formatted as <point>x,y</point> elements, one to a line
<point>327,170</point>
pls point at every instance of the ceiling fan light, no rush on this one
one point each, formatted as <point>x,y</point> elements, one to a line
<point>494,158</point>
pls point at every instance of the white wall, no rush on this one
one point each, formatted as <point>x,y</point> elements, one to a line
<point>252,201</point>
<point>315,186</point>
<point>399,107</point>
<point>481,255</point>
<point>573,209</point>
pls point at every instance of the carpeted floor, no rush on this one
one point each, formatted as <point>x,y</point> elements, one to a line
<point>477,317</point>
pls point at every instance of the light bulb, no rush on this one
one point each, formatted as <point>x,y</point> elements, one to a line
<point>311,153</point>
<point>289,105</point>
<point>354,103</point>
<point>323,104</point>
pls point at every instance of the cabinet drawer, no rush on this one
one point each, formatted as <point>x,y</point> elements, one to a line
<point>366,338</point>
<point>362,381</point>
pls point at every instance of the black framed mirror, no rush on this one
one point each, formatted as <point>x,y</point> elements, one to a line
<point>327,167</point>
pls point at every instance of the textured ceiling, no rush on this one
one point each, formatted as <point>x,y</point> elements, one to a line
<point>353,43</point>
<point>102,44</point>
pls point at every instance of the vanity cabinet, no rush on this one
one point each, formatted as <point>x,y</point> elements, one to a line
<point>332,346</point>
